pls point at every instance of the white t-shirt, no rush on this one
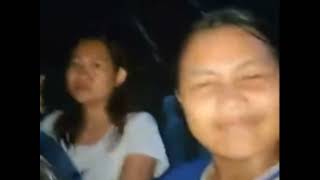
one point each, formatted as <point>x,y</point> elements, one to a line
<point>104,160</point>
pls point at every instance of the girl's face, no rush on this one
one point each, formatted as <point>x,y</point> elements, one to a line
<point>91,75</point>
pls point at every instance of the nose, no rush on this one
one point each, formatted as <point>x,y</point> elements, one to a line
<point>231,100</point>
<point>84,72</point>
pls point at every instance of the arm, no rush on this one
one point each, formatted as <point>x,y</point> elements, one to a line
<point>145,157</point>
<point>138,167</point>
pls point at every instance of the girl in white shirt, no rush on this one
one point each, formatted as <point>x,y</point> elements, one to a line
<point>103,140</point>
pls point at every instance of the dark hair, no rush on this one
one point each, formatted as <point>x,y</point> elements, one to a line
<point>70,123</point>
<point>242,19</point>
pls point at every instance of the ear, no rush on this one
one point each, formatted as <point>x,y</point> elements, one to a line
<point>121,76</point>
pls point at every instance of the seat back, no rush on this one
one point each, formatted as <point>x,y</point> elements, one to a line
<point>180,145</point>
<point>58,158</point>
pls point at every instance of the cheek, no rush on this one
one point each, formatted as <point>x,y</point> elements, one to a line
<point>202,129</point>
<point>70,76</point>
<point>104,82</point>
<point>264,105</point>
<point>200,115</point>
<point>265,102</point>
<point>271,106</point>
<point>199,105</point>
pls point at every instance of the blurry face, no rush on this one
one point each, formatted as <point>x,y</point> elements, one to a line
<point>91,76</point>
<point>229,90</point>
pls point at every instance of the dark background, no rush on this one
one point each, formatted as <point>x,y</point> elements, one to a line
<point>151,30</point>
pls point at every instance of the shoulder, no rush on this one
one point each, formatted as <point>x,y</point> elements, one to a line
<point>47,125</point>
<point>189,171</point>
<point>141,136</point>
<point>140,120</point>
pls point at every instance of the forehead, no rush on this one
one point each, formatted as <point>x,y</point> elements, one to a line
<point>90,47</point>
<point>225,46</point>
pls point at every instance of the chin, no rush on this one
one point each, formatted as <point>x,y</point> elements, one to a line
<point>238,154</point>
<point>82,98</point>
<point>89,100</point>
<point>236,150</point>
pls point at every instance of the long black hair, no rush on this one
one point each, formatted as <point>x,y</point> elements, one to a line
<point>70,124</point>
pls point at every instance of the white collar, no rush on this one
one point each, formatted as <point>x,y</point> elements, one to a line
<point>269,173</point>
<point>206,171</point>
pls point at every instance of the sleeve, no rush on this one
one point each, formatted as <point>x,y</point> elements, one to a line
<point>47,125</point>
<point>143,137</point>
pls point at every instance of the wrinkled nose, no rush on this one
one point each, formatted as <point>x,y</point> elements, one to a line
<point>231,100</point>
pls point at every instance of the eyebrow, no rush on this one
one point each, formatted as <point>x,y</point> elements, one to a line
<point>203,71</point>
<point>249,63</point>
<point>206,71</point>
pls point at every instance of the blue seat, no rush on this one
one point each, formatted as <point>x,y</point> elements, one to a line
<point>180,145</point>
<point>58,158</point>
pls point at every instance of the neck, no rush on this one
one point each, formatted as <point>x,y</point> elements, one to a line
<point>95,116</point>
<point>250,168</point>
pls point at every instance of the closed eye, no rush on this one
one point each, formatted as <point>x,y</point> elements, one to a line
<point>202,85</point>
<point>253,76</point>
